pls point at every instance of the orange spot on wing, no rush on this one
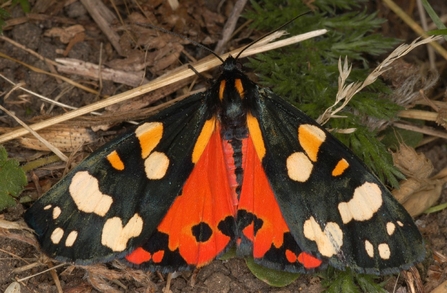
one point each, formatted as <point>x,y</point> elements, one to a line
<point>115,160</point>
<point>311,138</point>
<point>139,256</point>
<point>157,257</point>
<point>342,165</point>
<point>222,89</point>
<point>309,261</point>
<point>257,198</point>
<point>239,87</point>
<point>206,198</point>
<point>291,256</point>
<point>256,136</point>
<point>203,139</point>
<point>149,134</point>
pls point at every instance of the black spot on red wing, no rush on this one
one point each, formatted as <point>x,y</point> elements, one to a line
<point>202,232</point>
<point>257,224</point>
<point>227,227</point>
<point>244,219</point>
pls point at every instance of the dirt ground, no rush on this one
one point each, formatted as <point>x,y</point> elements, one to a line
<point>65,29</point>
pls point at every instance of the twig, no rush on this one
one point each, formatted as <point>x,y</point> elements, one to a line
<point>431,52</point>
<point>91,70</point>
<point>347,91</point>
<point>104,18</point>
<point>230,25</point>
<point>412,24</point>
<point>170,78</point>
<point>423,129</point>
<point>41,139</point>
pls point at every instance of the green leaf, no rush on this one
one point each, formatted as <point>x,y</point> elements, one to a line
<point>12,180</point>
<point>437,32</point>
<point>435,18</point>
<point>340,282</point>
<point>393,137</point>
<point>24,4</point>
<point>272,277</point>
<point>231,253</point>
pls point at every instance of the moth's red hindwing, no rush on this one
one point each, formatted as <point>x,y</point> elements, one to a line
<point>262,223</point>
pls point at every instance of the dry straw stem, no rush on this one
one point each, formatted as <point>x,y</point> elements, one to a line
<point>165,80</point>
<point>414,26</point>
<point>347,91</point>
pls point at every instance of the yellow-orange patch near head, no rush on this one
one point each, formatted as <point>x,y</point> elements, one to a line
<point>341,166</point>
<point>222,89</point>
<point>256,135</point>
<point>149,135</point>
<point>203,139</point>
<point>239,87</point>
<point>115,160</point>
<point>311,138</point>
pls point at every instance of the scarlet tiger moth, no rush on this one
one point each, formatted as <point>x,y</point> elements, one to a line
<point>235,165</point>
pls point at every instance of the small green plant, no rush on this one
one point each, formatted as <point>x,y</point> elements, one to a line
<point>339,281</point>
<point>12,180</point>
<point>5,14</point>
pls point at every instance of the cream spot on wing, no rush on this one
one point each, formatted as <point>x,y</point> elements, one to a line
<point>390,228</point>
<point>71,238</point>
<point>369,249</point>
<point>149,134</point>
<point>400,223</point>
<point>299,167</point>
<point>56,212</point>
<point>47,207</point>
<point>84,189</point>
<point>311,137</point>
<point>366,201</point>
<point>384,251</point>
<point>115,236</point>
<point>57,235</point>
<point>328,241</point>
<point>156,165</point>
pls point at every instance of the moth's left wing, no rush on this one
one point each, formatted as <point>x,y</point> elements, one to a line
<point>114,200</point>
